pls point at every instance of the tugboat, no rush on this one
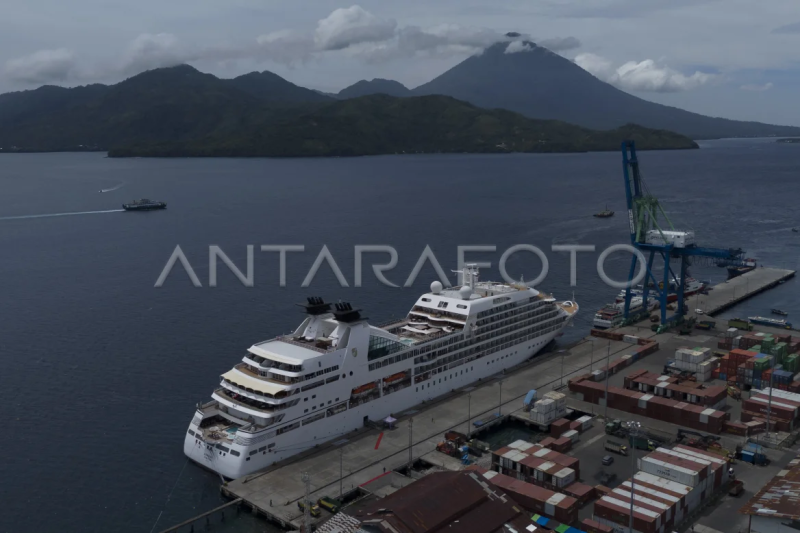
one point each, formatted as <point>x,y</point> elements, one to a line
<point>779,312</point>
<point>144,205</point>
<point>604,213</point>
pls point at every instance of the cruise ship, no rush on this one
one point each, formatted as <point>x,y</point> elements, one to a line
<point>613,315</point>
<point>336,372</point>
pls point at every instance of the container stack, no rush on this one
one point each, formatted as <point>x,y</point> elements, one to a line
<point>714,396</point>
<point>783,409</point>
<point>523,459</point>
<point>652,406</point>
<point>552,406</point>
<point>698,361</point>
<point>671,485</point>
<point>533,498</point>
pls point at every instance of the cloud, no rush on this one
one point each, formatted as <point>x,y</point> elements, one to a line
<point>757,88</point>
<point>789,28</point>
<point>44,66</point>
<point>351,30</point>
<point>349,26</point>
<point>645,75</point>
<point>517,46</point>
<point>285,46</point>
<point>148,51</point>
<point>560,44</point>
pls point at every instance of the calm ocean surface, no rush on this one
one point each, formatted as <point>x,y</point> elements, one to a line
<point>101,370</point>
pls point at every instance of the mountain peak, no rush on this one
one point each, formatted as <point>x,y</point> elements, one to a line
<point>533,81</point>
<point>375,86</point>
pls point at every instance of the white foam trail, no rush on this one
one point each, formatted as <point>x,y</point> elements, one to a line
<point>63,214</point>
<point>112,188</point>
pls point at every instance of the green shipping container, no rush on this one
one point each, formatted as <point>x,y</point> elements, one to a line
<point>756,348</point>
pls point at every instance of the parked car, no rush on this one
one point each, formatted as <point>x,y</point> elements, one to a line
<point>607,460</point>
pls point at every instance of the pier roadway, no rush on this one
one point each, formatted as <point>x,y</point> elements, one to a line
<point>728,293</point>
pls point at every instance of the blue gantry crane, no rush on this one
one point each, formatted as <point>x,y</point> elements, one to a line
<point>652,234</point>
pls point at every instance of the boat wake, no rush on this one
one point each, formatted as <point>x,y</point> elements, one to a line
<point>113,188</point>
<point>20,217</point>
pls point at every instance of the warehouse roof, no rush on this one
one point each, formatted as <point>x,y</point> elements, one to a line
<point>780,497</point>
<point>444,501</point>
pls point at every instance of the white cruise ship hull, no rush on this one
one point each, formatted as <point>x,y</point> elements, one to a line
<point>306,437</point>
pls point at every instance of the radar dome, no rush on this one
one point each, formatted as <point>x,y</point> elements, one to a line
<point>436,287</point>
<point>465,292</point>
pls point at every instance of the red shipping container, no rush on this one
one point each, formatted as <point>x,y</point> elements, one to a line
<point>590,526</point>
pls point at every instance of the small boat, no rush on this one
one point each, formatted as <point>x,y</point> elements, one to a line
<point>795,230</point>
<point>779,312</point>
<point>144,205</point>
<point>604,213</point>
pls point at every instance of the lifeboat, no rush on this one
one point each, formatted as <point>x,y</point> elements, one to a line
<point>394,377</point>
<point>364,388</point>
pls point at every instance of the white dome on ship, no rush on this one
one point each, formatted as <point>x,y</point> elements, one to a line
<point>436,287</point>
<point>465,292</point>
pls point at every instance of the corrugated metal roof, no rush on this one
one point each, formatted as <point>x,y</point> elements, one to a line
<point>780,497</point>
<point>667,484</point>
<point>445,501</point>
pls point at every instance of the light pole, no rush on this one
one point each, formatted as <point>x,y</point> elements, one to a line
<point>469,411</point>
<point>410,445</point>
<point>633,428</point>
<point>341,470</point>
<point>563,354</point>
<point>500,398</point>
<point>608,358</point>
<point>591,361</point>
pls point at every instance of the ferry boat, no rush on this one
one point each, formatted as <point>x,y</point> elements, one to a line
<point>774,322</point>
<point>336,372</point>
<point>692,287</point>
<point>144,205</point>
<point>612,315</point>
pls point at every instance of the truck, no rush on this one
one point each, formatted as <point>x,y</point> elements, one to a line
<point>313,508</point>
<point>331,504</point>
<point>641,443</point>
<point>615,428</point>
<point>616,447</point>
<point>705,325</point>
<point>740,323</point>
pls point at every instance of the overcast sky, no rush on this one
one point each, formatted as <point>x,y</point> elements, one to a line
<point>732,58</point>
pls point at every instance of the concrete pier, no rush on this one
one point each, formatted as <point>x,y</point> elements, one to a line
<point>728,293</point>
<point>276,491</point>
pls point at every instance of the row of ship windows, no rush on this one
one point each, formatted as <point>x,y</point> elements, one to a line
<point>455,342</point>
<point>499,309</point>
<point>488,344</point>
<point>540,313</point>
<point>427,385</point>
<point>517,325</point>
<point>443,305</point>
<point>313,407</point>
<point>525,308</point>
<point>491,347</point>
